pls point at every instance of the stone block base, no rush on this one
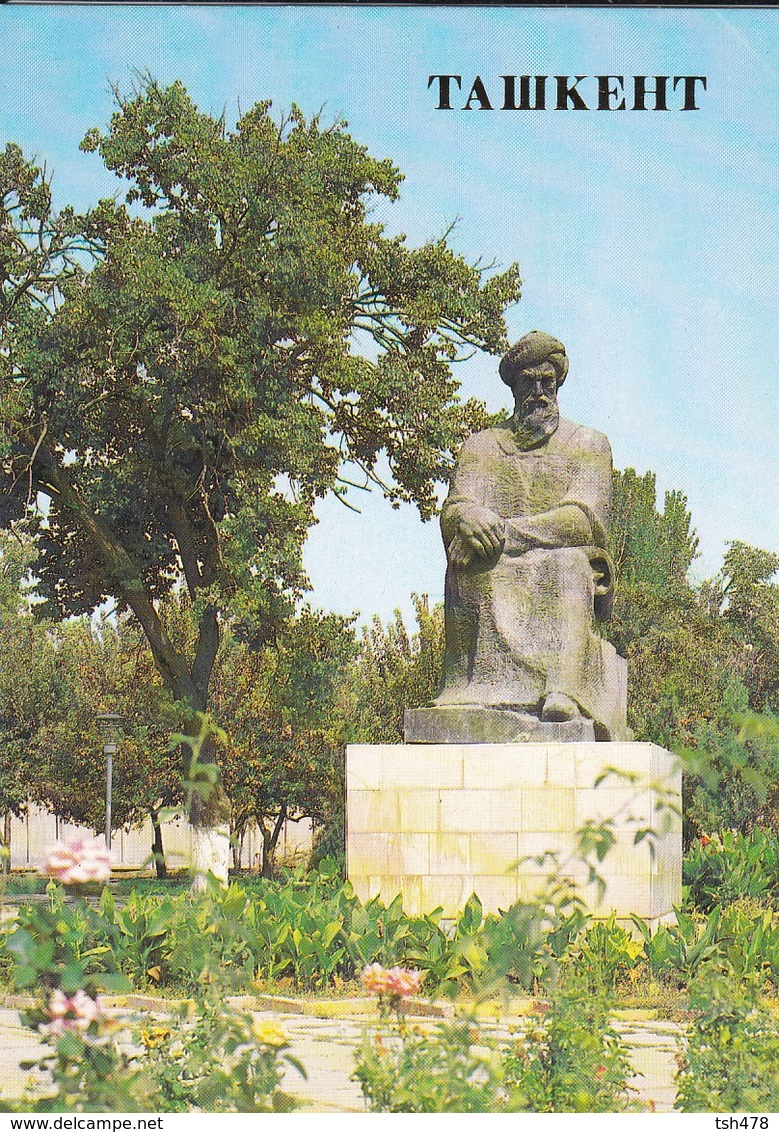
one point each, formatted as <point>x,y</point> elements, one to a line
<point>455,725</point>
<point>437,822</point>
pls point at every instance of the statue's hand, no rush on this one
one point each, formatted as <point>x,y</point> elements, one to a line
<point>483,534</point>
<point>459,552</point>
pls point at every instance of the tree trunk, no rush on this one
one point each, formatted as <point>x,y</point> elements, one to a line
<point>7,842</point>
<point>209,810</point>
<point>157,850</point>
<point>209,814</point>
<point>239,835</point>
<point>270,839</point>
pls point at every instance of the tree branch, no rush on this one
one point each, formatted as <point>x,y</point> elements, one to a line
<point>169,663</point>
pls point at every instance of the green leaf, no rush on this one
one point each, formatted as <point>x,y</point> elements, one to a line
<point>330,932</point>
<point>113,982</point>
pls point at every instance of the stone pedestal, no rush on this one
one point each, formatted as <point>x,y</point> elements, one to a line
<point>449,726</point>
<point>436,822</point>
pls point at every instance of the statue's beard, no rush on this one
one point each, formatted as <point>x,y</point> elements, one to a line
<point>535,420</point>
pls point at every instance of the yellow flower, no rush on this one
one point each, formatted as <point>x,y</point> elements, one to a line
<point>268,1032</point>
<point>154,1036</point>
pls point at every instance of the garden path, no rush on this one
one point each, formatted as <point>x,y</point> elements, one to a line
<point>326,1048</point>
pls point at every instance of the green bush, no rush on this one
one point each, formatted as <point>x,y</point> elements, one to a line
<point>605,952</point>
<point>724,868</point>
<point>677,950</point>
<point>731,769</point>
<point>571,1060</point>
<point>330,843</point>
<point>446,1068</point>
<point>209,1058</point>
<point>67,946</point>
<point>743,938</point>
<point>730,1062</point>
<point>24,884</point>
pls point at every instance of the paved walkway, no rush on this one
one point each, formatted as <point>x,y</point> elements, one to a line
<point>326,1048</point>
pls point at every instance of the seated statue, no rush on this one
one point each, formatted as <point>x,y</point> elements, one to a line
<point>525,527</point>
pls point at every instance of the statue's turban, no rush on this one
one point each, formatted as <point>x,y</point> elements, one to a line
<point>533,350</point>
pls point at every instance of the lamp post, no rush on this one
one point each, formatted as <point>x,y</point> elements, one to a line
<point>109,729</point>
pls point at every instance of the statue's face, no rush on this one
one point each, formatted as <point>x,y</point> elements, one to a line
<point>535,395</point>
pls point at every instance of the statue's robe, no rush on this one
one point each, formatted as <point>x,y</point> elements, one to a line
<point>521,625</point>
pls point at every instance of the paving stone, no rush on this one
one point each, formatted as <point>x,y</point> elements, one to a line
<point>326,1048</point>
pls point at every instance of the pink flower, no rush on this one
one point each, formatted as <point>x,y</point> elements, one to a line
<point>374,979</point>
<point>76,1012</point>
<point>404,982</point>
<point>59,1004</point>
<point>78,861</point>
<point>398,981</point>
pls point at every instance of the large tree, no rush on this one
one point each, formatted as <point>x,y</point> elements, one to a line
<point>183,374</point>
<point>678,653</point>
<point>27,678</point>
<point>395,670</point>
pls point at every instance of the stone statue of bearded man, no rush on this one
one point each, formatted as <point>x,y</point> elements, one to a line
<point>525,527</point>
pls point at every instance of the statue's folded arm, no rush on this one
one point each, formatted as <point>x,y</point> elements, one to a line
<point>567,525</point>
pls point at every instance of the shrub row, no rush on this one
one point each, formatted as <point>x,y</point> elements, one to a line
<point>312,932</point>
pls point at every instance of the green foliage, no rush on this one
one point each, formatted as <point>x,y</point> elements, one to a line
<point>572,1060</point>
<point>721,869</point>
<point>220,1061</point>
<point>18,884</point>
<point>279,704</point>
<point>98,669</point>
<point>329,842</point>
<point>85,1071</point>
<point>742,938</point>
<point>525,942</point>
<point>207,1058</point>
<point>282,757</point>
<point>54,679</point>
<point>697,658</point>
<point>30,682</point>
<point>680,656</point>
<point>677,950</point>
<point>730,1062</point>
<point>67,946</point>
<point>749,942</point>
<point>448,1068</point>
<point>650,548</point>
<point>396,670</point>
<point>215,1059</point>
<point>751,607</point>
<point>183,378</point>
<point>605,953</point>
<point>144,929</point>
<point>732,769</point>
<point>310,932</point>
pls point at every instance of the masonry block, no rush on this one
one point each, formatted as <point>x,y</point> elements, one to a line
<point>436,822</point>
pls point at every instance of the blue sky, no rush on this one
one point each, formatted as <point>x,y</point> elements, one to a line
<point>647,241</point>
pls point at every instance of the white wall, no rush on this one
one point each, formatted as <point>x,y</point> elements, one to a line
<point>33,834</point>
